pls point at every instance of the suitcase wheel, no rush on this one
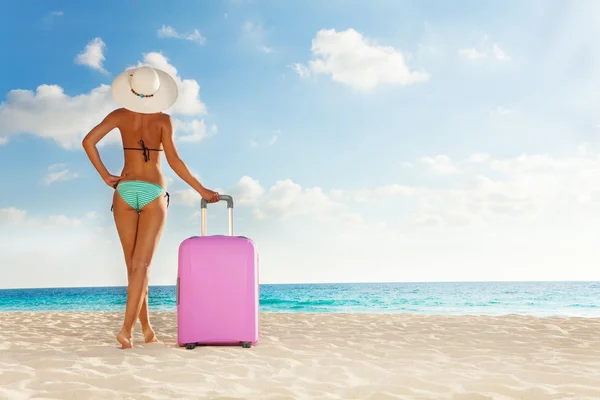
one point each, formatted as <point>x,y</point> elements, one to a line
<point>190,346</point>
<point>246,345</point>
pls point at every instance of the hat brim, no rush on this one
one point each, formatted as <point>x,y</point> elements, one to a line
<point>163,99</point>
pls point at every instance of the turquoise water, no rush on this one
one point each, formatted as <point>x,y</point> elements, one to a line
<point>490,298</point>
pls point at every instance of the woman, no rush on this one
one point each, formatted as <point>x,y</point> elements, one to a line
<point>140,201</point>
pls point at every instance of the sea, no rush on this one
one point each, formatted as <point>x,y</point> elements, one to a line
<point>581,299</point>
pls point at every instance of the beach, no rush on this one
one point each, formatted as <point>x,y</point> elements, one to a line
<point>73,355</point>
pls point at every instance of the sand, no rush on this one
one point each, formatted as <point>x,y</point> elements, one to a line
<point>305,356</point>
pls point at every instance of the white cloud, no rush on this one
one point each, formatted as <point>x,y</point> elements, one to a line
<point>266,49</point>
<point>286,199</point>
<point>494,193</point>
<point>35,245</point>
<point>526,163</point>
<point>425,220</point>
<point>273,139</point>
<point>502,111</point>
<point>484,202</point>
<point>194,131</point>
<point>12,216</point>
<point>302,70</point>
<point>478,201</point>
<point>282,201</point>
<point>478,158</point>
<point>93,215</point>
<point>524,188</point>
<point>187,197</point>
<point>59,172</point>
<point>3,141</point>
<point>533,188</point>
<point>426,51</point>
<point>247,191</point>
<point>378,193</point>
<point>168,181</point>
<point>62,220</point>
<point>358,62</point>
<point>49,18</point>
<point>167,31</point>
<point>93,55</point>
<point>472,54</point>
<point>499,53</point>
<point>253,35</point>
<point>50,113</point>
<point>440,164</point>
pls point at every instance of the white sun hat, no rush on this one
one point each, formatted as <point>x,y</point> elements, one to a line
<point>145,90</point>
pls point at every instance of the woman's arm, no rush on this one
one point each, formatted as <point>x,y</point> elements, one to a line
<point>179,167</point>
<point>93,137</point>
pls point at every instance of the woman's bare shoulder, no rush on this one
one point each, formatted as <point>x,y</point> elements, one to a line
<point>165,120</point>
<point>119,112</point>
<point>117,115</point>
<point>165,117</point>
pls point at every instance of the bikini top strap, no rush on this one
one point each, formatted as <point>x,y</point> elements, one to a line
<point>145,149</point>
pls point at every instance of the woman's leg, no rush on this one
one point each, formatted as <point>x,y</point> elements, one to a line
<point>150,226</point>
<point>126,221</point>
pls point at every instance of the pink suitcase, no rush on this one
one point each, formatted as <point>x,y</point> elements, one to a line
<point>217,288</point>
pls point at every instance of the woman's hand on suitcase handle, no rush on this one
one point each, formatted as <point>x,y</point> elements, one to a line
<point>209,195</point>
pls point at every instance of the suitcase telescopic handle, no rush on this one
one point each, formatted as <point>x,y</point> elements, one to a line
<point>222,197</point>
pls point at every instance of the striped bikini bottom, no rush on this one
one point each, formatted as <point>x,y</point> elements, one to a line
<point>139,193</point>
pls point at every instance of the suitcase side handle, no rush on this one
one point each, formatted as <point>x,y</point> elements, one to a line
<point>229,201</point>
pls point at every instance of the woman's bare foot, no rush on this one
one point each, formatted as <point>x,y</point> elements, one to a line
<point>149,335</point>
<point>125,340</point>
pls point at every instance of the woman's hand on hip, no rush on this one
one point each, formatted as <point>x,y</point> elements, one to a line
<point>112,180</point>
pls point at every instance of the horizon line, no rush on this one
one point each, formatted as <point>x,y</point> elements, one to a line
<point>321,283</point>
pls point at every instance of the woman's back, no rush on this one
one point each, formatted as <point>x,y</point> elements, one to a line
<point>142,143</point>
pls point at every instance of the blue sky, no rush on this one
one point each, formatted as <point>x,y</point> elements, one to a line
<point>362,141</point>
